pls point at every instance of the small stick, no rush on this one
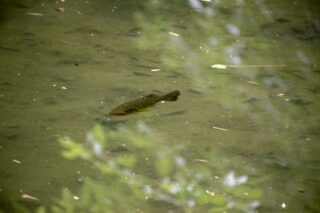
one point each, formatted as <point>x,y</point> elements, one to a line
<point>30,198</point>
<point>174,34</point>
<point>35,14</point>
<point>201,160</point>
<point>223,66</point>
<point>219,128</point>
<point>257,65</point>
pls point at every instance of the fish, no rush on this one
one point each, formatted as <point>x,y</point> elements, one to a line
<point>143,102</point>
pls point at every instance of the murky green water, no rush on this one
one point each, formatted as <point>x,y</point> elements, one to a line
<point>65,64</point>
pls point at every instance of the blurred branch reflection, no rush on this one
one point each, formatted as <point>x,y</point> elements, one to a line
<point>148,171</point>
<point>270,84</point>
<point>268,55</point>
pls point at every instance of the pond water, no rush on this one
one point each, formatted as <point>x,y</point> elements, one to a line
<point>65,64</point>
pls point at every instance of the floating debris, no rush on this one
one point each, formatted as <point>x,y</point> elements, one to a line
<point>223,66</point>
<point>280,94</point>
<point>155,70</point>
<point>218,66</point>
<point>201,160</point>
<point>76,197</point>
<point>253,82</point>
<point>174,34</point>
<point>35,14</point>
<point>219,128</point>
<point>210,193</point>
<point>29,198</point>
<point>16,161</point>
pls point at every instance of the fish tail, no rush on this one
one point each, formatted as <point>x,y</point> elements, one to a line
<point>171,96</point>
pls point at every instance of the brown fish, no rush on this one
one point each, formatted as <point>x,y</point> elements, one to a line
<point>143,102</point>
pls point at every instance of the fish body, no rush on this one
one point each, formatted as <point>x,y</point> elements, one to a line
<point>143,102</point>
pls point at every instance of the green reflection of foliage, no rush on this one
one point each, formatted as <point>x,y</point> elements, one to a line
<point>190,52</point>
<point>170,180</point>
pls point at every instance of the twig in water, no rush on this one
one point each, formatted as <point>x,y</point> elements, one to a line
<point>35,14</point>
<point>218,128</point>
<point>223,66</point>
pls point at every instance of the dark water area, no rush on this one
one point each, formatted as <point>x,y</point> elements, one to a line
<point>248,73</point>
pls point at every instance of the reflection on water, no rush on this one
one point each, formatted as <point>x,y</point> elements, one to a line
<point>65,64</point>
<point>152,171</point>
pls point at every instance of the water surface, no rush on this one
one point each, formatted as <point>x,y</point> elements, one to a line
<point>65,64</point>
